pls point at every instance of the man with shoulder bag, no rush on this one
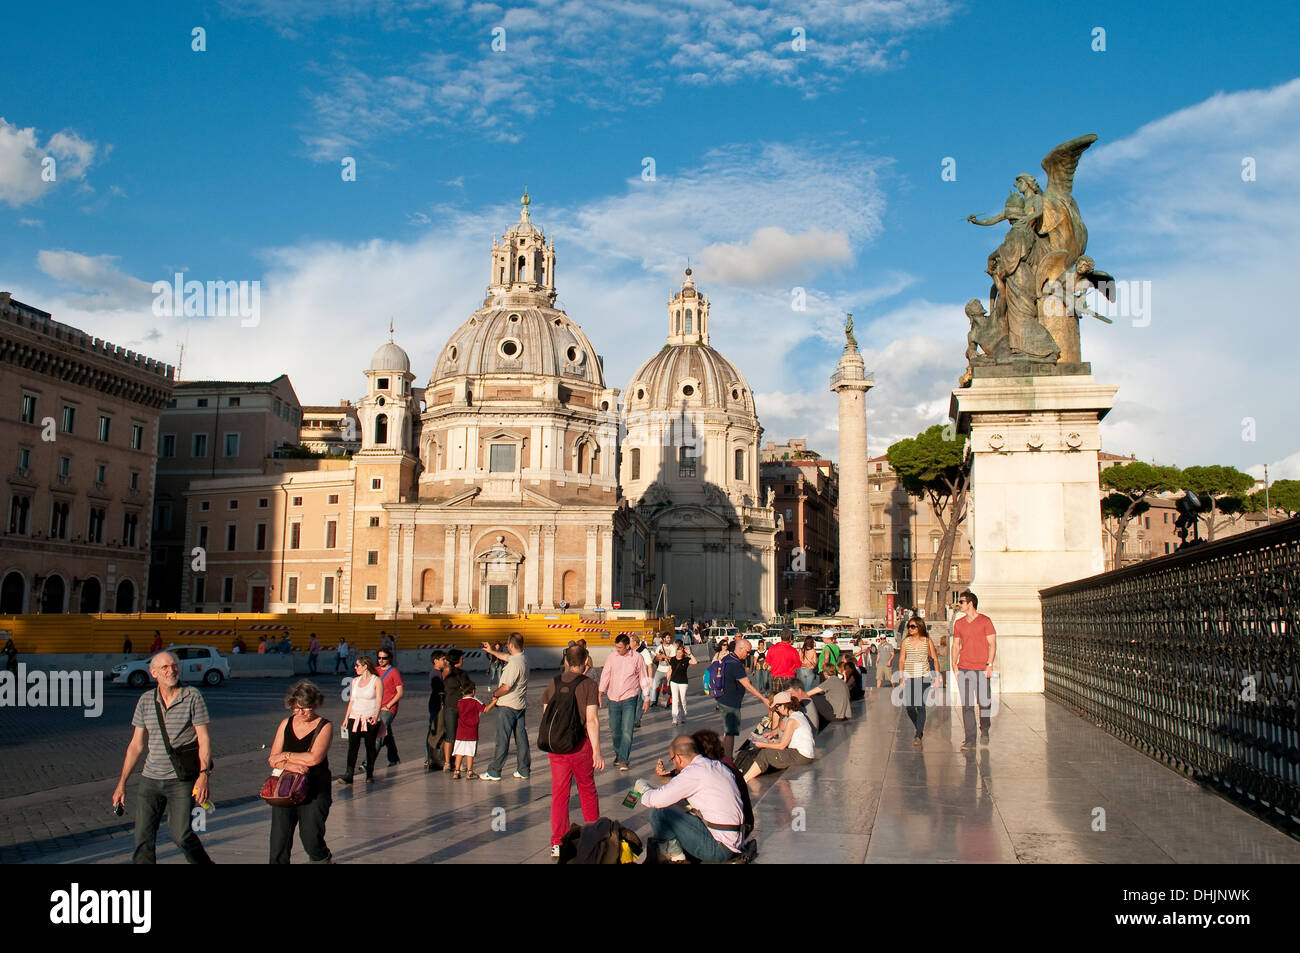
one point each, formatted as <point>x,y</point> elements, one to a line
<point>171,725</point>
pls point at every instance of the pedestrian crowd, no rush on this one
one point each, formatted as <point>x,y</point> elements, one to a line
<point>701,813</point>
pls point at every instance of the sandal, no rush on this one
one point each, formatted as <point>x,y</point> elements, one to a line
<point>471,776</point>
<point>455,775</point>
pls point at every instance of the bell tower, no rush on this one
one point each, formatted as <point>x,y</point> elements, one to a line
<point>522,262</point>
<point>688,315</point>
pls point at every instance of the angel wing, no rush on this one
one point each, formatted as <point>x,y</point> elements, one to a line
<point>1060,163</point>
<point>1104,283</point>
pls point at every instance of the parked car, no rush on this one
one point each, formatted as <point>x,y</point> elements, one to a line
<point>199,663</point>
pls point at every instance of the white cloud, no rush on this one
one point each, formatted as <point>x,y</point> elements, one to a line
<point>773,255</point>
<point>111,290</point>
<point>22,162</point>
<point>607,53</point>
<point>1287,468</point>
<point>1171,208</point>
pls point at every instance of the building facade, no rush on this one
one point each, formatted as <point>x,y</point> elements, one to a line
<point>211,428</point>
<point>81,430</point>
<point>330,430</point>
<point>690,469</point>
<point>805,494</point>
<point>905,536</point>
<point>494,489</point>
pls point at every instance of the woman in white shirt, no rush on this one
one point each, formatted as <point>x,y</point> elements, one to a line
<point>362,717</point>
<point>792,743</point>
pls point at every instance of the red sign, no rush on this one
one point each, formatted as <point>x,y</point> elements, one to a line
<point>618,605</point>
<point>889,609</point>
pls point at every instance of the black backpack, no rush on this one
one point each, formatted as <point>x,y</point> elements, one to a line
<point>600,842</point>
<point>564,726</point>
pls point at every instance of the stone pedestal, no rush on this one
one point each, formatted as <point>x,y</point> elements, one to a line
<point>1035,517</point>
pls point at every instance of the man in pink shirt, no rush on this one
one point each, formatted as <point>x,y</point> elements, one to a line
<point>623,678</point>
<point>717,833</point>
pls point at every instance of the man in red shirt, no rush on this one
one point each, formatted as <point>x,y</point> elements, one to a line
<point>974,644</point>
<point>783,658</point>
<point>393,691</point>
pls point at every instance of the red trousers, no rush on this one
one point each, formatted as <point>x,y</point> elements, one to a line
<point>576,766</point>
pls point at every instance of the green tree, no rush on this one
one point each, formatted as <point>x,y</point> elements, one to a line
<point>1226,487</point>
<point>1133,484</point>
<point>1283,495</point>
<point>932,466</point>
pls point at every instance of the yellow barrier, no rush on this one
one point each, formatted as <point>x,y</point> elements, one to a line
<point>103,633</point>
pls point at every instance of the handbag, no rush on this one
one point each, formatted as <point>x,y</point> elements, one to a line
<point>185,759</point>
<point>286,788</point>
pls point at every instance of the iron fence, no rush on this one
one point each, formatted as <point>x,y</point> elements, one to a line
<point>1193,658</point>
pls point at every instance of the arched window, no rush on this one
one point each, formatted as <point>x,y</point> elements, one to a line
<point>52,594</point>
<point>636,463</point>
<point>687,328</point>
<point>522,263</point>
<point>740,464</point>
<point>381,429</point>
<point>90,595</point>
<point>125,601</point>
<point>12,591</point>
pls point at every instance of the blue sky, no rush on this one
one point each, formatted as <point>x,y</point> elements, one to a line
<point>774,169</point>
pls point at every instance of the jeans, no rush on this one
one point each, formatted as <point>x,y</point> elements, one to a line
<point>341,661</point>
<point>565,768</point>
<point>309,818</point>
<point>510,722</point>
<point>354,742</point>
<point>807,678</point>
<point>975,689</point>
<point>679,700</point>
<point>174,797</point>
<point>914,695</point>
<point>660,678</point>
<point>691,832</point>
<point>622,715</point>
<point>390,742</point>
<point>311,663</point>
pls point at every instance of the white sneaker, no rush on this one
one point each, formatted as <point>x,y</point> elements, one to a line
<point>521,777</point>
<point>670,852</point>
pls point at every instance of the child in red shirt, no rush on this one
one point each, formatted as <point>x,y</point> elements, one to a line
<point>469,709</point>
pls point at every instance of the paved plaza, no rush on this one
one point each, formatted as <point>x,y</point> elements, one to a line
<point>1032,796</point>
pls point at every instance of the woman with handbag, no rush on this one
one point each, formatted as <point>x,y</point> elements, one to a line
<point>361,720</point>
<point>918,659</point>
<point>301,748</point>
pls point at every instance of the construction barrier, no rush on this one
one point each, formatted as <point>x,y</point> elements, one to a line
<point>106,632</point>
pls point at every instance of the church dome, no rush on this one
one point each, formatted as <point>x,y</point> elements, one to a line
<point>390,357</point>
<point>529,339</point>
<point>687,371</point>
<point>691,375</point>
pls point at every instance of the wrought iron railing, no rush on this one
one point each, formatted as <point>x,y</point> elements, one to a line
<point>1193,658</point>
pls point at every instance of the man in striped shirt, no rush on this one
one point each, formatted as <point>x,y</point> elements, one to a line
<point>624,679</point>
<point>171,730</point>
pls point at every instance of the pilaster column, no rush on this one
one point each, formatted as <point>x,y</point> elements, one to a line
<point>465,595</point>
<point>531,567</point>
<point>392,592</point>
<point>408,569</point>
<point>548,568</point>
<point>606,566</point>
<point>589,587</point>
<point>448,566</point>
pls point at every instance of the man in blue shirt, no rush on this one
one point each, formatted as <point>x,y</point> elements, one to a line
<point>734,685</point>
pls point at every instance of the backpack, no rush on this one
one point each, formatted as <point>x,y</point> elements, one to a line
<point>716,679</point>
<point>603,841</point>
<point>564,727</point>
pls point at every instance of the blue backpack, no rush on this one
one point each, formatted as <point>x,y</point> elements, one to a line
<point>714,680</point>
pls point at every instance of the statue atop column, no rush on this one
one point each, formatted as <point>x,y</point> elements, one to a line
<point>1039,272</point>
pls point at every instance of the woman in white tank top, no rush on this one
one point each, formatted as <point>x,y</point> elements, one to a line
<point>362,717</point>
<point>918,654</point>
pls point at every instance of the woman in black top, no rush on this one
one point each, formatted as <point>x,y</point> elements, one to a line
<point>302,744</point>
<point>678,666</point>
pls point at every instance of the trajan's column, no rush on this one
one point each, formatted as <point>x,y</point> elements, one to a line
<point>850,384</point>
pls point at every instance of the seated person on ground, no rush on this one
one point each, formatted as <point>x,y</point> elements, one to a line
<point>716,833</point>
<point>792,744</point>
<point>836,690</point>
